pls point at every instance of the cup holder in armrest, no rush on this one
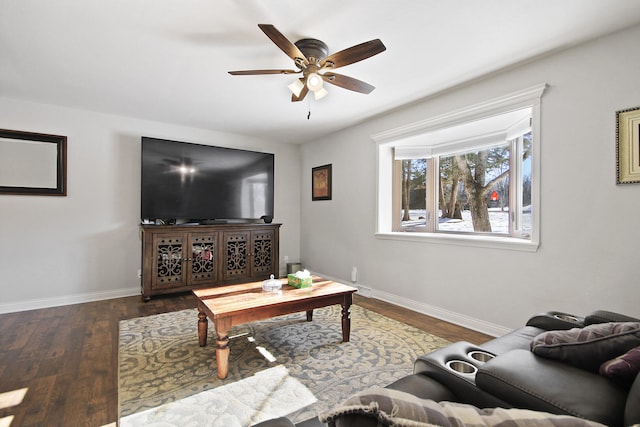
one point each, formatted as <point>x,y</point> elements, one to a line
<point>566,317</point>
<point>461,367</point>
<point>555,320</point>
<point>481,356</point>
<point>455,366</point>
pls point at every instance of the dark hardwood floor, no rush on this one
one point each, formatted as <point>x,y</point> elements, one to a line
<point>66,357</point>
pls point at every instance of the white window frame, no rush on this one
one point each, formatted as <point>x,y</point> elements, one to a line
<point>404,135</point>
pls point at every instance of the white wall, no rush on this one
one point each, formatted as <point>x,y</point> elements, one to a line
<point>588,255</point>
<point>86,246</point>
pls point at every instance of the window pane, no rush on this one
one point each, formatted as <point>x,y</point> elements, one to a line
<point>526,184</point>
<point>474,191</point>
<point>414,209</point>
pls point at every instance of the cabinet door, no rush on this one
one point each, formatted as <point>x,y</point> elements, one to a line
<point>202,268</point>
<point>236,255</point>
<point>263,253</point>
<point>168,261</point>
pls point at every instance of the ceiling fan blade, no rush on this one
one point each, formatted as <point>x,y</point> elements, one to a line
<point>303,93</point>
<point>347,82</point>
<point>254,72</point>
<point>283,43</point>
<point>354,54</point>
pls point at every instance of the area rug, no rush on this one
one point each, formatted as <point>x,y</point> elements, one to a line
<point>160,361</point>
<point>265,395</point>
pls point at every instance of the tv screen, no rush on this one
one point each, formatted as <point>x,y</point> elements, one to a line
<point>186,182</point>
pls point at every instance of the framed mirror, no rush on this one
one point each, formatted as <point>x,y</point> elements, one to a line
<point>33,163</point>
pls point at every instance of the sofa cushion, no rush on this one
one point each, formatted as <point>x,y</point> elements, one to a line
<point>623,368</point>
<point>588,347</point>
<point>531,382</point>
<point>392,407</point>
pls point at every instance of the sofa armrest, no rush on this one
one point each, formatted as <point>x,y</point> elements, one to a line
<point>440,364</point>
<point>531,382</point>
<point>604,316</point>
<point>423,387</point>
<point>556,320</point>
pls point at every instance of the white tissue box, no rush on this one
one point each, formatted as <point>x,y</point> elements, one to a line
<point>298,282</point>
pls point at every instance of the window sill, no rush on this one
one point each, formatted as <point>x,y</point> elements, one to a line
<point>493,242</point>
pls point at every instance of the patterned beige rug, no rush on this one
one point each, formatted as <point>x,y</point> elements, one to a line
<point>160,360</point>
<point>265,395</point>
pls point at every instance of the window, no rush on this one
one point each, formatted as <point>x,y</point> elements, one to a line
<point>465,178</point>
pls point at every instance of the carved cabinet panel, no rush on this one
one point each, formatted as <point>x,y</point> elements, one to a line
<point>168,260</point>
<point>249,254</point>
<point>203,252</point>
<point>179,258</point>
<point>263,249</point>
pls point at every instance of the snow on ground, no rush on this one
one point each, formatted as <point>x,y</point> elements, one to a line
<point>499,221</point>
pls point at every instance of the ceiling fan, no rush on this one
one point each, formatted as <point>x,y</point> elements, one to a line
<point>311,58</point>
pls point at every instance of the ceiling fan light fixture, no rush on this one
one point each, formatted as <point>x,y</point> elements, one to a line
<point>320,93</point>
<point>314,82</point>
<point>296,87</point>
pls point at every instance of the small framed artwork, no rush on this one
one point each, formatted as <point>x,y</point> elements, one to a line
<point>33,163</point>
<point>628,146</point>
<point>321,183</point>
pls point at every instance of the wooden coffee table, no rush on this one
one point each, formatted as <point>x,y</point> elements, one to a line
<point>232,305</point>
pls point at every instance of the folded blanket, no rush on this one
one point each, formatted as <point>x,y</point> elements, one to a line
<point>396,408</point>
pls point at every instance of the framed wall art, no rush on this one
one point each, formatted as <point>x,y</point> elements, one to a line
<point>321,183</point>
<point>628,146</point>
<point>33,163</point>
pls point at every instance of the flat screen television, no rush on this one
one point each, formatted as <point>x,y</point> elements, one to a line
<point>184,182</point>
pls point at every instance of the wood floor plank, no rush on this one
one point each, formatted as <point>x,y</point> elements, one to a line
<point>67,356</point>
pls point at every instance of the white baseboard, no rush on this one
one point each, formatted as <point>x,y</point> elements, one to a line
<point>442,314</point>
<point>437,312</point>
<point>35,304</point>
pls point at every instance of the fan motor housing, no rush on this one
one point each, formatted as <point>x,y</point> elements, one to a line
<point>313,48</point>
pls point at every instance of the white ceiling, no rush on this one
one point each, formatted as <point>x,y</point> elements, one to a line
<point>167,60</point>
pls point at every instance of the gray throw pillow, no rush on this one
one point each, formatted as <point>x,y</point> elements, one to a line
<point>588,347</point>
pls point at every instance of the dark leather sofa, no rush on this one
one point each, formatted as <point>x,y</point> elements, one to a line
<point>505,372</point>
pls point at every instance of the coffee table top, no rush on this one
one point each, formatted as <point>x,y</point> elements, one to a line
<point>227,300</point>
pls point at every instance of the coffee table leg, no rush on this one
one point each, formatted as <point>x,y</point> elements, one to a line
<point>203,326</point>
<point>222,347</point>
<point>309,315</point>
<point>346,320</point>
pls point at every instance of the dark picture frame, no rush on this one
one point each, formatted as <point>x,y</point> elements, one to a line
<point>321,183</point>
<point>628,146</point>
<point>33,163</point>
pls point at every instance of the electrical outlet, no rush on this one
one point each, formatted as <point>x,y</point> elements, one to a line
<point>286,259</point>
